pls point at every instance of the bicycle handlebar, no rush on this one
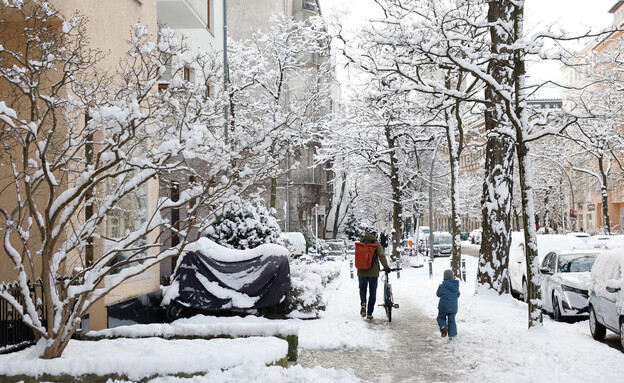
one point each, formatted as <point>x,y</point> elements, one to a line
<point>395,269</point>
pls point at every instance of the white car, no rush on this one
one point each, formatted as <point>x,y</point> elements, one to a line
<point>295,242</point>
<point>545,244</point>
<point>580,234</point>
<point>565,279</point>
<point>598,241</point>
<point>606,295</point>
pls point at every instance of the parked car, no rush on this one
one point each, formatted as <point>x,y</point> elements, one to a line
<point>546,243</point>
<point>606,297</point>
<point>463,235</point>
<point>565,282</point>
<point>475,236</point>
<point>295,242</point>
<point>579,234</point>
<point>442,244</point>
<point>615,242</point>
<point>598,241</point>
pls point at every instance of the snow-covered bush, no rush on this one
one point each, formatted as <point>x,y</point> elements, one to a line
<point>245,225</point>
<point>308,281</point>
<point>353,228</point>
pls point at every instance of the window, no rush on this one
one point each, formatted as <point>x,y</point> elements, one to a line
<point>129,214</point>
<point>187,73</point>
<point>162,87</point>
<point>309,5</point>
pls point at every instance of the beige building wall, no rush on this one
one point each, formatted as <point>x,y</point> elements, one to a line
<point>110,24</point>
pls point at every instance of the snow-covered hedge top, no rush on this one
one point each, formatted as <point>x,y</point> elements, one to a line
<point>222,254</point>
<point>185,330</point>
<point>608,267</point>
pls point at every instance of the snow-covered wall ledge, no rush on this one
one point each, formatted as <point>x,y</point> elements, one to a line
<point>286,331</point>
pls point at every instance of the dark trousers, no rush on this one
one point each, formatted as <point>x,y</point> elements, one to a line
<point>371,282</point>
<point>447,320</point>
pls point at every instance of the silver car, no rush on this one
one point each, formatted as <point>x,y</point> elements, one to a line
<point>606,297</point>
<point>565,282</point>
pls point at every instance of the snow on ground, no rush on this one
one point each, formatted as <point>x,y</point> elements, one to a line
<point>140,358</point>
<point>493,343</point>
<point>496,345</point>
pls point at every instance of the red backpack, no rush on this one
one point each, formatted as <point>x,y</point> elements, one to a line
<point>364,255</point>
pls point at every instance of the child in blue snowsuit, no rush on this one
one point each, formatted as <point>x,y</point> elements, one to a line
<point>448,291</point>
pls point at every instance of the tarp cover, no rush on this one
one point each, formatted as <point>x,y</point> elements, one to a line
<point>215,286</point>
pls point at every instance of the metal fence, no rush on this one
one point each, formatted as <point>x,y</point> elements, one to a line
<point>14,334</point>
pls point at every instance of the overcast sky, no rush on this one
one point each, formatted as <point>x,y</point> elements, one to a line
<point>569,15</point>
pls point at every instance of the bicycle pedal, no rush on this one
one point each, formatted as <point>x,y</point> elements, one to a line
<point>396,305</point>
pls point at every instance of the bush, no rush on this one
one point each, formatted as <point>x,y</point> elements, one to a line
<point>245,225</point>
<point>308,281</point>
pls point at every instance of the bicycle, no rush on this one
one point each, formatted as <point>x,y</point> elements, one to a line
<point>388,302</point>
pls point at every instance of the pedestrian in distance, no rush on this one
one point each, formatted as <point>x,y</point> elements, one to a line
<point>448,291</point>
<point>368,278</point>
<point>383,239</point>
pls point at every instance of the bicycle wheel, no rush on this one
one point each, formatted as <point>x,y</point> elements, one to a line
<point>388,302</point>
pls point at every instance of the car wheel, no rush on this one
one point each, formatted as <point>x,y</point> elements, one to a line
<point>622,332</point>
<point>597,330</point>
<point>556,310</point>
<point>525,291</point>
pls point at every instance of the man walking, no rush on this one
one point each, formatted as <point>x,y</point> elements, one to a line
<point>368,278</point>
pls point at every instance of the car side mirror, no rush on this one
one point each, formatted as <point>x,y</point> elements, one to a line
<point>546,270</point>
<point>614,285</point>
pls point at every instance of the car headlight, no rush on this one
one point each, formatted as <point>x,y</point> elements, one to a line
<point>574,290</point>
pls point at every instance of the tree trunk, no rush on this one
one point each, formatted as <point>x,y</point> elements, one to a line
<point>498,183</point>
<point>397,209</point>
<point>339,204</point>
<point>605,197</point>
<point>273,198</point>
<point>546,211</point>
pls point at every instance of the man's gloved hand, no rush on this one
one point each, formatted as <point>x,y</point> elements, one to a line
<point>387,270</point>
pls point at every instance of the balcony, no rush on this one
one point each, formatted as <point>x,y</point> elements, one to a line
<point>184,14</point>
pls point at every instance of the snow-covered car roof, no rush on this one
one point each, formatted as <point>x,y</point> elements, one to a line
<point>547,243</point>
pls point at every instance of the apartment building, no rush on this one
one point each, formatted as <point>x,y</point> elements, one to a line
<point>109,26</point>
<point>588,201</point>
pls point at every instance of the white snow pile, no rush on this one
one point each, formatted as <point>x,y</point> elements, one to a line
<point>223,254</point>
<point>205,330</point>
<point>308,281</point>
<point>253,373</point>
<point>141,358</point>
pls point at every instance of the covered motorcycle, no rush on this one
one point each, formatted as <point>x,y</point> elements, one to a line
<point>213,279</point>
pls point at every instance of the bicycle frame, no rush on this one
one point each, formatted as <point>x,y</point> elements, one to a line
<point>388,301</point>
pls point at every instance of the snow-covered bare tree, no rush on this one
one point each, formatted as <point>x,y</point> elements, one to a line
<point>79,145</point>
<point>278,84</point>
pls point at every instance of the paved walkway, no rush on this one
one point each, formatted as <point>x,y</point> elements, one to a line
<point>417,352</point>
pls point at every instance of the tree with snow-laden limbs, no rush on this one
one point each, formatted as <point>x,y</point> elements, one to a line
<point>83,145</point>
<point>598,139</point>
<point>277,82</point>
<point>485,40</point>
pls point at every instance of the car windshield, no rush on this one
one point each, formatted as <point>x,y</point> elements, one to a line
<point>442,240</point>
<point>426,231</point>
<point>574,263</point>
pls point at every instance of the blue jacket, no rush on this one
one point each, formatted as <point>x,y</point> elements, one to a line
<point>448,292</point>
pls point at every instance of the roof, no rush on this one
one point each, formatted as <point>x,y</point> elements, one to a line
<point>615,6</point>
